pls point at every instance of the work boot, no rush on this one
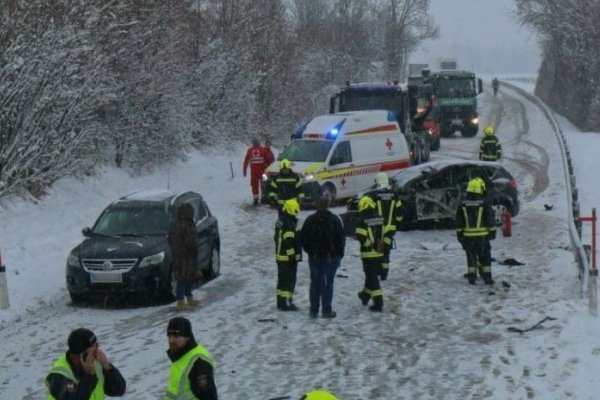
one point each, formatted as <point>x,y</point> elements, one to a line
<point>377,304</point>
<point>292,307</point>
<point>487,279</point>
<point>281,304</point>
<point>471,277</point>
<point>191,302</point>
<point>313,314</point>
<point>364,297</point>
<point>255,202</point>
<point>328,314</point>
<point>182,306</point>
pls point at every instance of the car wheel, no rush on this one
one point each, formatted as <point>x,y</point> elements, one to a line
<point>77,297</point>
<point>329,190</point>
<point>214,265</point>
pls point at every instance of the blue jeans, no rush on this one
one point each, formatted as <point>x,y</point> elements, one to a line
<point>183,289</point>
<point>322,274</point>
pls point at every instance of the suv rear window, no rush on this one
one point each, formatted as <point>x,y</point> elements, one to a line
<point>133,221</point>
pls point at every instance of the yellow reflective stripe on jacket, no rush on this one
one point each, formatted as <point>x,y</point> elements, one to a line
<point>62,367</point>
<point>477,230</point>
<point>179,387</point>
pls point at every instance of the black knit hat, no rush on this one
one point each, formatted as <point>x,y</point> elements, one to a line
<point>80,339</point>
<point>180,326</point>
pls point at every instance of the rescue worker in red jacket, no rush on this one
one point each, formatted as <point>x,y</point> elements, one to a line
<point>475,227</point>
<point>288,252</point>
<point>490,148</point>
<point>255,157</point>
<point>373,243</point>
<point>388,206</point>
<point>285,186</point>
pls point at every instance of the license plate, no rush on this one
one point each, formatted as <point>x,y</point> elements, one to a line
<point>107,277</point>
<point>456,121</point>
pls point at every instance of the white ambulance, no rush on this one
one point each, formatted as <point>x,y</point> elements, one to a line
<point>340,154</point>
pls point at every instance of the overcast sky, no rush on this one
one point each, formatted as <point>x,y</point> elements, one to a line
<point>484,36</point>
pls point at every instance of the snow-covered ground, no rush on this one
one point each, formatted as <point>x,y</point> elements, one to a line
<point>438,337</point>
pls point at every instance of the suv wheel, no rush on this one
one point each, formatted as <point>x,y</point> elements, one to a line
<point>77,297</point>
<point>214,266</point>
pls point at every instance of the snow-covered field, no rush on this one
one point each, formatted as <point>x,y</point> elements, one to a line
<point>438,337</point>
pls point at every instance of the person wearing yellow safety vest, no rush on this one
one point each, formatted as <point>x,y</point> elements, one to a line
<point>84,372</point>
<point>191,375</point>
<point>490,148</point>
<point>388,206</point>
<point>475,227</point>
<point>288,252</point>
<point>285,186</point>
<point>373,243</point>
<point>318,395</point>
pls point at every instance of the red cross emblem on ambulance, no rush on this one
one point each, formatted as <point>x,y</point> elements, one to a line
<point>389,144</point>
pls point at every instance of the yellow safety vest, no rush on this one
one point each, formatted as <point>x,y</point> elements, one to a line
<point>179,384</point>
<point>62,367</point>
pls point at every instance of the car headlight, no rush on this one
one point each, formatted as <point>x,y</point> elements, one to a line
<point>475,120</point>
<point>309,177</point>
<point>154,259</point>
<point>73,260</point>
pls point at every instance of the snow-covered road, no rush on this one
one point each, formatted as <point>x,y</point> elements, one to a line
<point>438,337</point>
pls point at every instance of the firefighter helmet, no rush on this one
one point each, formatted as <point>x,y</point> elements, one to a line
<point>291,207</point>
<point>489,130</point>
<point>285,163</point>
<point>382,180</point>
<point>365,202</point>
<point>318,395</point>
<point>476,185</point>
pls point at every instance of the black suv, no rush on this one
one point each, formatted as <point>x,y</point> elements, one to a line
<point>127,249</point>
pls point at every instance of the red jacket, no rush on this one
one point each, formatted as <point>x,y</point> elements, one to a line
<point>256,156</point>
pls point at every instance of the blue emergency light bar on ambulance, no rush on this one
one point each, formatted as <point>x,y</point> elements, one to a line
<point>340,154</point>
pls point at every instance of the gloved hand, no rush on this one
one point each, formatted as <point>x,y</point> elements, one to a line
<point>492,235</point>
<point>244,174</point>
<point>383,274</point>
<point>272,203</point>
<point>380,247</point>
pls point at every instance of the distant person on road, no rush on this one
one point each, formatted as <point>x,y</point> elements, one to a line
<point>288,252</point>
<point>475,227</point>
<point>373,244</point>
<point>183,243</point>
<point>191,375</point>
<point>490,148</point>
<point>84,372</point>
<point>256,157</point>
<point>389,207</point>
<point>324,241</point>
<point>495,85</point>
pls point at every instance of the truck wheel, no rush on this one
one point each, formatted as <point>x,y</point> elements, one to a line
<point>214,265</point>
<point>469,132</point>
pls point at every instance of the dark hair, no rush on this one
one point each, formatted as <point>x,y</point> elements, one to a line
<point>323,202</point>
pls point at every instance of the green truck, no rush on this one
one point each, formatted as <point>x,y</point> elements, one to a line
<point>456,95</point>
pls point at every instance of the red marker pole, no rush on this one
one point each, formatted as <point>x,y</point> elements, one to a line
<point>592,219</point>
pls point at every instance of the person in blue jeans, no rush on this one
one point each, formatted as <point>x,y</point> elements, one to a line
<point>324,241</point>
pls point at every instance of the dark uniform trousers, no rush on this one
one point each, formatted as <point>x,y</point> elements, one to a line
<point>479,257</point>
<point>286,282</point>
<point>372,287</point>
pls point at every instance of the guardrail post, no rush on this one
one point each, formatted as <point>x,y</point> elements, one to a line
<point>3,285</point>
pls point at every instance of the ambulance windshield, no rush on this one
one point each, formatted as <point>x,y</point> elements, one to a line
<point>306,150</point>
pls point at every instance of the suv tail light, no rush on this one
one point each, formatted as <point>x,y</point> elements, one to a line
<point>513,183</point>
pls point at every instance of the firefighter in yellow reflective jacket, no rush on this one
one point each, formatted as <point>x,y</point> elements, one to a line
<point>490,148</point>
<point>475,227</point>
<point>285,186</point>
<point>373,243</point>
<point>288,252</point>
<point>388,206</point>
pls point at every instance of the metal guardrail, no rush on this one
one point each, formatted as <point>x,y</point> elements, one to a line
<point>572,193</point>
